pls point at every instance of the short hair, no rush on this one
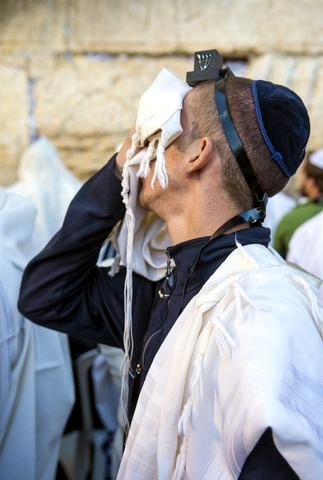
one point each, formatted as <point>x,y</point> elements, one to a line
<point>208,124</point>
<point>270,177</point>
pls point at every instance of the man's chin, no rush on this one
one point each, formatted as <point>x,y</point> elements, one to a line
<point>143,202</point>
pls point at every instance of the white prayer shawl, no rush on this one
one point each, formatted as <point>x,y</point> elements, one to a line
<point>43,177</point>
<point>106,375</point>
<point>246,354</point>
<point>17,363</point>
<point>305,246</point>
<point>34,360</point>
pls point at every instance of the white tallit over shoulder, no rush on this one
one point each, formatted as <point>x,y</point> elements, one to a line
<point>33,360</point>
<point>237,360</point>
<point>305,246</point>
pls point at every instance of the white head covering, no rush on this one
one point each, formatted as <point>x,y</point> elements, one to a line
<point>143,236</point>
<point>44,178</point>
<point>36,359</point>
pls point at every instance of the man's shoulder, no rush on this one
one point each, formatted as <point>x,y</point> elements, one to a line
<point>262,290</point>
<point>255,268</point>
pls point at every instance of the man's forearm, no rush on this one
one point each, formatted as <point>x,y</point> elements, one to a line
<point>62,271</point>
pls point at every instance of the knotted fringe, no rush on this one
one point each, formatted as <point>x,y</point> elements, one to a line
<point>160,167</point>
<point>154,150</point>
<point>195,389</point>
<point>225,344</point>
<point>239,295</point>
<point>150,154</point>
<point>130,223</point>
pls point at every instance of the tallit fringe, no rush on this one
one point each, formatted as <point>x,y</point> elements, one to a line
<point>150,154</point>
<point>154,150</point>
<point>195,388</point>
<point>226,344</point>
<point>160,167</point>
<point>130,222</point>
<point>239,295</point>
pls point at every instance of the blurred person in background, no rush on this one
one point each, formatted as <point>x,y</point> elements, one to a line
<point>309,204</point>
<point>36,382</point>
<point>305,247</point>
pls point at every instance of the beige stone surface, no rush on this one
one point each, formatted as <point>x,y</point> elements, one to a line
<point>86,105</point>
<point>41,63</point>
<point>13,119</point>
<point>76,69</point>
<point>304,75</point>
<point>236,28</point>
<point>122,25</point>
<point>33,24</point>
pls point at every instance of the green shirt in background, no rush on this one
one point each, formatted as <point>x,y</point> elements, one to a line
<point>293,219</point>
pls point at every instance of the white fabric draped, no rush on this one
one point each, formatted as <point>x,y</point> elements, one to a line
<point>305,247</point>
<point>37,389</point>
<point>245,354</point>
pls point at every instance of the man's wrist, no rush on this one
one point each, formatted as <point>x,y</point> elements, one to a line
<point>117,169</point>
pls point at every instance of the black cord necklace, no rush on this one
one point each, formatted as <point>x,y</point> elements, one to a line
<point>253,216</point>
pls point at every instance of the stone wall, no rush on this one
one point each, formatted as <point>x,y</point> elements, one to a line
<point>74,70</point>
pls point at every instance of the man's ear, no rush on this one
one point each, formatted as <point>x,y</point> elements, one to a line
<point>201,154</point>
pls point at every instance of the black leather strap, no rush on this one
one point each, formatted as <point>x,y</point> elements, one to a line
<point>236,144</point>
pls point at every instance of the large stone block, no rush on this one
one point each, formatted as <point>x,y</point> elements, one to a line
<point>119,26</point>
<point>86,105</point>
<point>236,28</point>
<point>14,120</point>
<point>34,24</point>
<point>256,27</point>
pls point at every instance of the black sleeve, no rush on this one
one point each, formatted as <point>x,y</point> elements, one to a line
<point>62,288</point>
<point>266,463</point>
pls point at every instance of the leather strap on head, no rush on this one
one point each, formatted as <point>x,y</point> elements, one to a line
<point>237,147</point>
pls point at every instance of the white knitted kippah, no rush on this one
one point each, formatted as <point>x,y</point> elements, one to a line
<point>143,237</point>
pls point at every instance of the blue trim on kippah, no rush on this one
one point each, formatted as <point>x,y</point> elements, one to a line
<point>277,156</point>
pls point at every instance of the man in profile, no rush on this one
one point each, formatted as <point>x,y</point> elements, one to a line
<point>222,339</point>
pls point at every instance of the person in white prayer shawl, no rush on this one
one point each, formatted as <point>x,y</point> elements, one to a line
<point>305,247</point>
<point>277,207</point>
<point>310,202</point>
<point>36,383</point>
<point>222,375</point>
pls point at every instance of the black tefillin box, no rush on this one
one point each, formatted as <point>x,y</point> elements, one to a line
<point>208,65</point>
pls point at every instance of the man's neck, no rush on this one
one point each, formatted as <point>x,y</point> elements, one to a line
<point>183,229</point>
